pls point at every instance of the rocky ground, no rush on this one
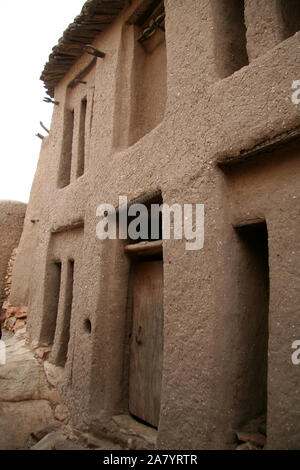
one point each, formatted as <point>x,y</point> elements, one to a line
<point>13,318</point>
<point>31,413</point>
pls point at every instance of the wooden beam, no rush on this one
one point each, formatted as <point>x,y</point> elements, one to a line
<point>71,226</point>
<point>95,16</point>
<point>145,248</point>
<point>267,146</point>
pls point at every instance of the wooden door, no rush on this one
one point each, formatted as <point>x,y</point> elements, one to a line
<point>146,353</point>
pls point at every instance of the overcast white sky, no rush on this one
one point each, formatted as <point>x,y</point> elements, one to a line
<point>29,30</point>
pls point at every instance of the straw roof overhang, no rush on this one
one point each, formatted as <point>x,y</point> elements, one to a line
<point>96,15</point>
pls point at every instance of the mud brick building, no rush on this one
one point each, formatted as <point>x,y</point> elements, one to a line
<point>176,102</point>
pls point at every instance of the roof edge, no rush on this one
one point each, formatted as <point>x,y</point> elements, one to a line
<point>95,17</point>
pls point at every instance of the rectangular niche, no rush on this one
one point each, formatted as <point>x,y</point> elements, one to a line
<point>81,138</point>
<point>63,344</point>
<point>152,220</point>
<point>51,301</point>
<point>253,330</point>
<point>149,73</point>
<point>230,48</point>
<point>64,176</point>
<point>290,13</point>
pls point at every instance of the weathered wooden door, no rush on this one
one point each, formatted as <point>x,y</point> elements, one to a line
<point>146,353</point>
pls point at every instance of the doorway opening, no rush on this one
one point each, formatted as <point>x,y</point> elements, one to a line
<point>146,330</point>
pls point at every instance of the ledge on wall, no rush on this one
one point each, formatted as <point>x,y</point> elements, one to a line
<point>267,146</point>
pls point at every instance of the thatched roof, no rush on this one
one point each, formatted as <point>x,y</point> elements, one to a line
<point>95,16</point>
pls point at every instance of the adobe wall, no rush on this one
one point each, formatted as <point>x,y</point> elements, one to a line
<point>24,263</point>
<point>12,214</point>
<point>212,114</point>
<point>249,183</point>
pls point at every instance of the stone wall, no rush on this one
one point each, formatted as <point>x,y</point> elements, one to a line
<point>12,216</point>
<point>13,318</point>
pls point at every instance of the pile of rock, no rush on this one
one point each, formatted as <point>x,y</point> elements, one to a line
<point>59,436</point>
<point>13,318</point>
<point>8,276</point>
<point>27,399</point>
<point>250,441</point>
<point>32,415</point>
<point>252,436</point>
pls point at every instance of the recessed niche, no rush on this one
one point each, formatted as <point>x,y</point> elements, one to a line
<point>67,311</point>
<point>230,45</point>
<point>252,291</point>
<point>88,325</point>
<point>290,12</point>
<point>149,72</point>
<point>51,301</point>
<point>81,138</point>
<point>64,176</point>
<point>151,219</point>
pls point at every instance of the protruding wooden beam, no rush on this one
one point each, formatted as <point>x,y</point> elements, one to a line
<point>267,146</point>
<point>49,100</point>
<point>71,226</point>
<point>89,49</point>
<point>44,127</point>
<point>80,81</point>
<point>145,248</point>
